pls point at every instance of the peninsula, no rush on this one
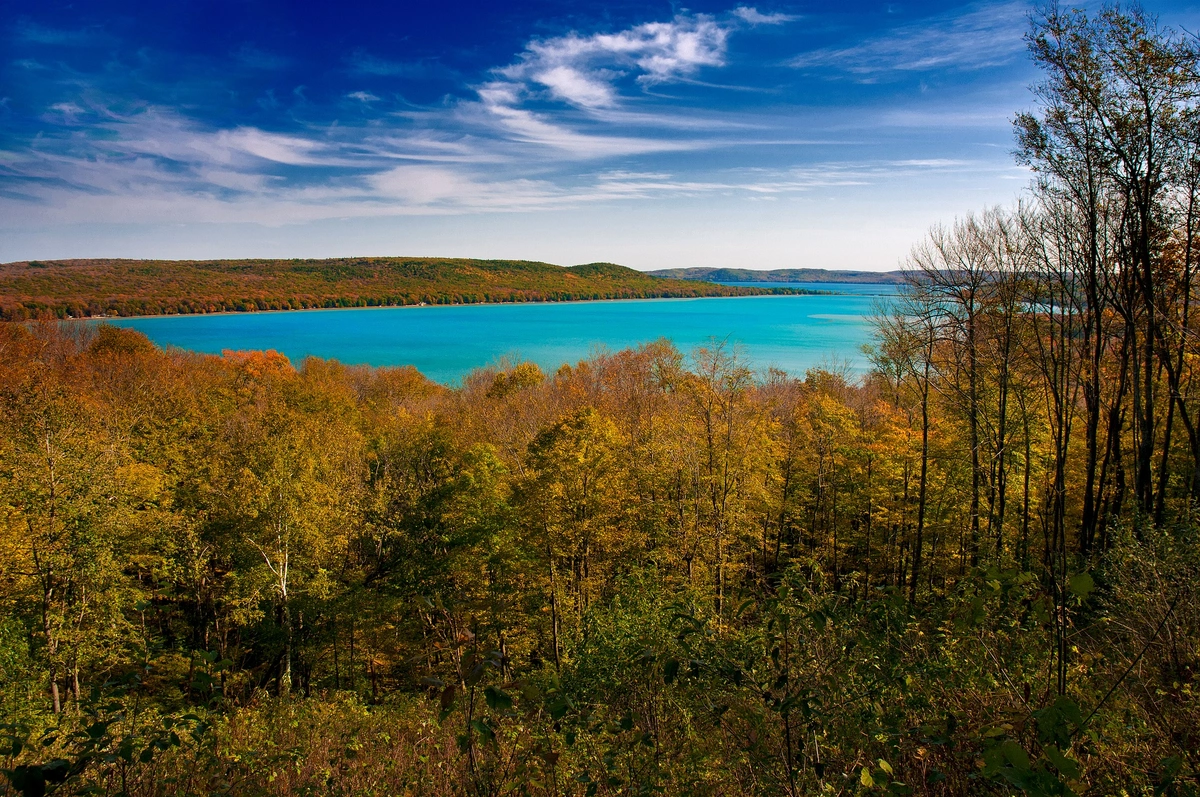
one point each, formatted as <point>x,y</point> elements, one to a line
<point>103,287</point>
<point>780,275</point>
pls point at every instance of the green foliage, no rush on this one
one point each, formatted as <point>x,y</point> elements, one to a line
<point>113,737</point>
<point>19,696</point>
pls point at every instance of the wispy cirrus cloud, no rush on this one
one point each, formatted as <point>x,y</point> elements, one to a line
<point>593,73</point>
<point>978,36</point>
<point>171,137</point>
<point>753,16</point>
<point>29,32</point>
<point>165,165</point>
<point>290,150</point>
<point>527,127</point>
<point>573,120</point>
<point>562,99</point>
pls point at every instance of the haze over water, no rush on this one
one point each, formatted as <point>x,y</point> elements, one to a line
<point>793,333</point>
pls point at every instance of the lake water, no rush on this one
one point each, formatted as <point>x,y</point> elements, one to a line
<point>794,333</point>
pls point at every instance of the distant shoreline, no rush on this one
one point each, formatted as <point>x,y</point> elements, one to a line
<point>765,294</point>
<point>122,288</point>
<point>812,275</point>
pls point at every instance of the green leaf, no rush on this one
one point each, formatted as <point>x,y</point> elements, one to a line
<point>1070,710</point>
<point>1066,766</point>
<point>1015,755</point>
<point>27,780</point>
<point>1081,585</point>
<point>1168,770</point>
<point>475,674</point>
<point>497,700</point>
<point>558,707</point>
<point>483,729</point>
<point>864,777</point>
<point>670,670</point>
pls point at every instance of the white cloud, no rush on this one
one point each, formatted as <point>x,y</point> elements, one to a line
<point>752,15</point>
<point>510,148</point>
<point>500,105</point>
<point>164,134</point>
<point>426,147</point>
<point>290,150</point>
<point>69,110</point>
<point>432,186</point>
<point>585,72</point>
<point>107,160</point>
<point>581,70</point>
<point>571,85</point>
<point>114,190</point>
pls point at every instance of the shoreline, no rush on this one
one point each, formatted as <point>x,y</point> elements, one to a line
<point>767,292</point>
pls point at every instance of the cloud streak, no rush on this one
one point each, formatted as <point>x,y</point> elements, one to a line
<point>752,16</point>
<point>168,172</point>
<point>982,36</point>
<point>29,32</point>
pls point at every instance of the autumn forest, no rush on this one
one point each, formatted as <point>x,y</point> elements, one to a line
<point>973,570</point>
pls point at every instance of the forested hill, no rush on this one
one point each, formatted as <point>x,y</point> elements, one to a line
<point>99,287</point>
<point>779,275</point>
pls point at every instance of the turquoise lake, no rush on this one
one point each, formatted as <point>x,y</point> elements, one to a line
<point>793,333</point>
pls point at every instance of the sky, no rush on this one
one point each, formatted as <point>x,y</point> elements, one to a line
<point>651,134</point>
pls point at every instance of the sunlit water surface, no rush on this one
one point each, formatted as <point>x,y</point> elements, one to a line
<point>793,333</point>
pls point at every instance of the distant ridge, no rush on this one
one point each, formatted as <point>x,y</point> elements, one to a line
<point>779,275</point>
<point>110,287</point>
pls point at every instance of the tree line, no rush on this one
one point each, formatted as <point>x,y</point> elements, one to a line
<point>971,570</point>
<point>88,288</point>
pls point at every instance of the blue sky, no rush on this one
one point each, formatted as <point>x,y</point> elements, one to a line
<point>771,135</point>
